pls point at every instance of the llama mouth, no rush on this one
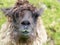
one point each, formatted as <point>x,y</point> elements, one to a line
<point>25,32</point>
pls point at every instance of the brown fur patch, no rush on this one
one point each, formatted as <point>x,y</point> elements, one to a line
<point>7,28</point>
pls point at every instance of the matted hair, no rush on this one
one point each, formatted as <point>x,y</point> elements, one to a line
<point>41,35</point>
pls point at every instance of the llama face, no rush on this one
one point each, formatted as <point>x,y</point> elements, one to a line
<point>23,22</point>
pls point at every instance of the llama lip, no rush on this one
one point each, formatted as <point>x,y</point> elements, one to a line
<point>25,32</point>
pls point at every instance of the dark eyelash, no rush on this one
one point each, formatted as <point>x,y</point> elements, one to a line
<point>16,14</point>
<point>35,15</point>
<point>14,19</point>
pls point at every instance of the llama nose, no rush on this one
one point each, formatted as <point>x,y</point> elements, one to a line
<point>25,23</point>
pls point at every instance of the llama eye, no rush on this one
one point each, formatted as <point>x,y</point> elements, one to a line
<point>16,14</point>
<point>35,15</point>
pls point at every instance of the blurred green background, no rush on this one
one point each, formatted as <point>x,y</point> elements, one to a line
<point>51,17</point>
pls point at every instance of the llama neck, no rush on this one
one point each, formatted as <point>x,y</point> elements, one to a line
<point>36,42</point>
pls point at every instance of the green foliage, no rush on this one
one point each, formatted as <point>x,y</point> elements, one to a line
<point>51,16</point>
<point>2,19</point>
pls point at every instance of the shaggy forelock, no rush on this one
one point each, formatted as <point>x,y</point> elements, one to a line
<point>19,7</point>
<point>40,35</point>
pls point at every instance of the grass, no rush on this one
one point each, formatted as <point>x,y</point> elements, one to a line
<point>51,16</point>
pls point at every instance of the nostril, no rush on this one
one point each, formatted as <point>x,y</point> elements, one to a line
<point>25,23</point>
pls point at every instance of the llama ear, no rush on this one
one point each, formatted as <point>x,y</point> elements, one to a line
<point>41,10</point>
<point>6,11</point>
